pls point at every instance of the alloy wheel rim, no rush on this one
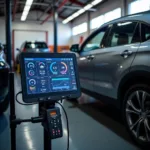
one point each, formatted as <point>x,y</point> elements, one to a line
<point>138,115</point>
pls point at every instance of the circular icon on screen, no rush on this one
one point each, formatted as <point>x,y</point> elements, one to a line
<point>54,68</point>
<point>42,65</point>
<point>32,82</point>
<point>64,68</point>
<point>31,73</point>
<point>30,65</point>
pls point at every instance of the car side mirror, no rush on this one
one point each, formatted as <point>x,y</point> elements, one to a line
<point>75,48</point>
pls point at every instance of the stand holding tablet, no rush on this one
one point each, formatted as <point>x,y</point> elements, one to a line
<point>46,78</point>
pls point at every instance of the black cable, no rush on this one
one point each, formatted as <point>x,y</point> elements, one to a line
<point>67,123</point>
<point>23,103</point>
<point>57,103</point>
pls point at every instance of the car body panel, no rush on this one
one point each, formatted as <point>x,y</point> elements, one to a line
<point>86,73</point>
<point>142,60</point>
<point>109,66</point>
<point>4,70</point>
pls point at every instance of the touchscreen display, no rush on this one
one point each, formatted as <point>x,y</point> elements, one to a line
<point>45,75</point>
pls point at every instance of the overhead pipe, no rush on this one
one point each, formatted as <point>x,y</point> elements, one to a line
<point>14,10</point>
<point>77,2</point>
<point>51,14</point>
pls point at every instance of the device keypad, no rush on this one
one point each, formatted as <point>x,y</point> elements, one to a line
<point>56,127</point>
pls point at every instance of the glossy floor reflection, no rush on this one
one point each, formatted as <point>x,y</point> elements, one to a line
<point>92,127</point>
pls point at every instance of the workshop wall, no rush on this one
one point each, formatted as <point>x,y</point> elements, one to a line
<point>64,31</point>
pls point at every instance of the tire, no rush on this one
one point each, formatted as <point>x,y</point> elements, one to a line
<point>136,113</point>
<point>4,105</point>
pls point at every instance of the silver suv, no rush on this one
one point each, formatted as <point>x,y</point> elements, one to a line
<point>114,63</point>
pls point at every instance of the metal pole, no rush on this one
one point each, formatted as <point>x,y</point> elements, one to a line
<point>8,32</point>
<point>125,8</point>
<point>11,93</point>
<point>88,18</point>
<point>12,111</point>
<point>55,19</point>
<point>47,140</point>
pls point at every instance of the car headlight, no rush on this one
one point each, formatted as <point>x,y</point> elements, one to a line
<point>2,64</point>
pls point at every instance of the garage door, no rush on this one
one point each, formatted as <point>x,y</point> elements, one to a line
<point>22,36</point>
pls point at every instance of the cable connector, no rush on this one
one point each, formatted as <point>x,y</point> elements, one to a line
<point>37,119</point>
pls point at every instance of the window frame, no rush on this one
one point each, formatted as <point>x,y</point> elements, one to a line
<point>138,23</point>
<point>79,26</point>
<point>94,34</point>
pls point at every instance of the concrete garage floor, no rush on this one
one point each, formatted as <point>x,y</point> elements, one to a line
<point>92,127</point>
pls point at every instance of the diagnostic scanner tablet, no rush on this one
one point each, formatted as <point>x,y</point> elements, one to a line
<point>49,77</point>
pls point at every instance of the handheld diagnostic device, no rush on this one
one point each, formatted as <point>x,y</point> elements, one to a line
<point>49,77</point>
<point>54,125</point>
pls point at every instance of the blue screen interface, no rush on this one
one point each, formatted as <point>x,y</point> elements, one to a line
<point>45,75</point>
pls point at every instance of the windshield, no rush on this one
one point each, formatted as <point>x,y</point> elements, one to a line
<point>36,45</point>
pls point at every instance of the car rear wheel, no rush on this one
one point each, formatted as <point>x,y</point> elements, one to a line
<point>4,105</point>
<point>136,113</point>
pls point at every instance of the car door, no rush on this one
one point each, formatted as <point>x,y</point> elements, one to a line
<point>115,57</point>
<point>85,59</point>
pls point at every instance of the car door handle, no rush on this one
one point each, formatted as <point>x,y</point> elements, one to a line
<point>90,57</point>
<point>126,53</point>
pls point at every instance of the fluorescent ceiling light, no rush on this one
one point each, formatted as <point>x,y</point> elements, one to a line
<point>25,13</point>
<point>96,2</point>
<point>29,2</point>
<point>75,15</point>
<point>70,18</point>
<point>26,9</point>
<point>87,7</point>
<point>65,21</point>
<point>23,18</point>
<point>81,11</point>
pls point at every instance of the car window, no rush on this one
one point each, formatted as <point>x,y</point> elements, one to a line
<point>145,31</point>
<point>121,34</point>
<point>95,42</point>
<point>36,45</point>
<point>137,37</point>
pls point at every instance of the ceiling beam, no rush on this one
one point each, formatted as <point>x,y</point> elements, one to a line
<point>14,9</point>
<point>46,10</point>
<point>77,8</point>
<point>59,7</point>
<point>77,2</point>
<point>36,3</point>
<point>33,20</point>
